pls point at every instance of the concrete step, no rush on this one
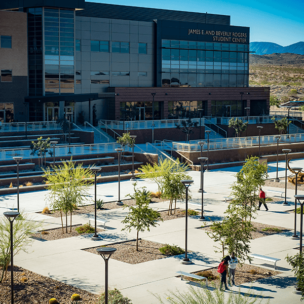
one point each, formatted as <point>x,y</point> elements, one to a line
<point>86,161</point>
<point>25,166</point>
<point>23,142</point>
<point>34,137</point>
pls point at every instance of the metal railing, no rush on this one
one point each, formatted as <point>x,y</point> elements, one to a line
<point>295,114</point>
<point>29,126</point>
<point>216,128</point>
<point>97,132</point>
<point>160,153</point>
<point>239,142</point>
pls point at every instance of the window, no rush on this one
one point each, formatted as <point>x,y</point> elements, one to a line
<point>142,73</point>
<point>94,46</point>
<point>78,48</point>
<point>6,76</point>
<point>93,81</point>
<point>142,48</point>
<point>99,73</point>
<point>100,46</point>
<point>120,47</point>
<point>6,42</point>
<point>120,73</point>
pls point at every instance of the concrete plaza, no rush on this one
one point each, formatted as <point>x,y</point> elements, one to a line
<point>64,259</point>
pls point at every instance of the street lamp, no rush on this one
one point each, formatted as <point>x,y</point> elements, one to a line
<point>278,137</point>
<point>11,215</point>
<point>259,128</point>
<point>186,260</point>
<point>286,151</point>
<point>202,160</point>
<point>95,170</point>
<point>119,151</point>
<point>54,143</point>
<point>18,160</point>
<point>200,112</point>
<point>208,141</point>
<point>297,171</point>
<point>133,144</point>
<point>152,127</point>
<point>300,197</point>
<point>105,253</point>
<point>247,111</point>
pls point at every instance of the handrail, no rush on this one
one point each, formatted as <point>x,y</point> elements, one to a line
<point>210,122</point>
<point>87,123</point>
<point>171,148</point>
<point>76,126</point>
<point>161,152</point>
<point>107,128</point>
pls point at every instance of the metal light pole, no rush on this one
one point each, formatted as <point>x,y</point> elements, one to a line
<point>119,151</point>
<point>186,260</point>
<point>200,112</point>
<point>133,144</point>
<point>105,253</point>
<point>202,160</point>
<point>11,215</point>
<point>297,171</point>
<point>95,170</point>
<point>247,111</point>
<point>18,160</point>
<point>300,197</point>
<point>208,142</point>
<point>53,143</point>
<point>278,137</point>
<point>201,143</point>
<point>152,127</point>
<point>286,151</point>
<point>259,128</point>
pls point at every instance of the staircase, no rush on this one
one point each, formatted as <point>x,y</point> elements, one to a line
<point>100,136</point>
<point>213,134</point>
<point>294,129</point>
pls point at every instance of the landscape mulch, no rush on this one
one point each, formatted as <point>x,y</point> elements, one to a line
<point>33,288</point>
<point>281,184</point>
<point>259,233</point>
<point>126,251</point>
<point>179,213</point>
<point>56,234</point>
<point>245,274</point>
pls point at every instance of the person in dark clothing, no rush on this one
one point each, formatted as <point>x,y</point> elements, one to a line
<point>224,274</point>
<point>262,199</point>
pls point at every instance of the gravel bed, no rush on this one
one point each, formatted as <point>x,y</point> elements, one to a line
<point>178,214</point>
<point>56,234</point>
<point>126,251</point>
<point>281,184</point>
<point>33,288</point>
<point>245,274</point>
<point>107,206</point>
<point>259,233</point>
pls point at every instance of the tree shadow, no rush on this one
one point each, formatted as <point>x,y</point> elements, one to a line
<point>197,256</point>
<point>275,282</point>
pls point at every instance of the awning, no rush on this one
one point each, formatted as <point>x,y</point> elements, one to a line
<point>292,104</point>
<point>57,98</point>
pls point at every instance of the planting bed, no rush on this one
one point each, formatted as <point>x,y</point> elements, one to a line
<point>259,232</point>
<point>281,184</point>
<point>126,251</point>
<point>245,274</point>
<point>33,288</point>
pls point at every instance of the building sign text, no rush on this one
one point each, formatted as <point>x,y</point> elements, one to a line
<point>221,36</point>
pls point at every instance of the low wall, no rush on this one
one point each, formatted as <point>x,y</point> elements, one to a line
<point>86,137</point>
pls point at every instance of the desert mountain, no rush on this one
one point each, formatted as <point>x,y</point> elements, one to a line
<point>264,48</point>
<point>277,59</point>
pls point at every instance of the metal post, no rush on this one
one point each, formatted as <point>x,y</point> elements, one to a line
<point>12,263</point>
<point>95,235</point>
<point>278,139</point>
<point>153,95</point>
<point>208,142</point>
<point>69,138</point>
<point>26,130</point>
<point>286,151</point>
<point>301,228</point>
<point>106,281</point>
<point>95,171</point>
<point>295,236</point>
<point>152,126</point>
<point>202,161</point>
<point>133,144</point>
<point>18,185</point>
<point>200,112</point>
<point>119,151</point>
<point>201,145</point>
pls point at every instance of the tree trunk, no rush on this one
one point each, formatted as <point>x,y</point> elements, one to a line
<point>61,221</point>
<point>66,222</point>
<point>71,221</point>
<point>175,207</point>
<point>137,240</point>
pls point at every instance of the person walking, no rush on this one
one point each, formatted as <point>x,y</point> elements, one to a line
<point>262,199</point>
<point>232,266</point>
<point>223,270</point>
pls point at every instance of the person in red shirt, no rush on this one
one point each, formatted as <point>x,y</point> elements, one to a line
<point>262,200</point>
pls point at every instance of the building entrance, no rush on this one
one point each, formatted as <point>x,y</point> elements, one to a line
<point>69,113</point>
<point>52,113</point>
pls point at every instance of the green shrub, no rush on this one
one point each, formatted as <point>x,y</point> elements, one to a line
<point>191,212</point>
<point>269,199</point>
<point>86,228</point>
<point>75,297</point>
<point>114,297</point>
<point>292,92</point>
<point>299,210</point>
<point>208,274</point>
<point>171,250</point>
<point>272,229</point>
<point>99,204</point>
<point>53,301</point>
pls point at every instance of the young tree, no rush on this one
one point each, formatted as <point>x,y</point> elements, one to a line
<point>140,216</point>
<point>187,126</point>
<point>297,264</point>
<point>23,227</point>
<point>238,125</point>
<point>68,188</point>
<point>274,101</point>
<point>281,124</point>
<point>125,140</point>
<point>157,171</point>
<point>41,148</point>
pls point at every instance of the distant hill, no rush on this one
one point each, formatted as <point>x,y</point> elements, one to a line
<point>264,48</point>
<point>277,59</point>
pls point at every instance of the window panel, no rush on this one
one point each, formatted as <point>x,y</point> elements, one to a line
<point>78,45</point>
<point>115,47</point>
<point>166,43</point>
<point>124,47</point>
<point>6,42</point>
<point>142,48</point>
<point>142,73</point>
<point>104,46</point>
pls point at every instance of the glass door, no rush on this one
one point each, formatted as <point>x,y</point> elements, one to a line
<point>141,113</point>
<point>52,113</point>
<point>2,116</point>
<point>228,111</point>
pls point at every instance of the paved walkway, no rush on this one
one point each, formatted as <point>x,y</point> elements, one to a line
<point>65,260</point>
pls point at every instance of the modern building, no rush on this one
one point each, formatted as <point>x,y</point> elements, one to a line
<point>91,61</point>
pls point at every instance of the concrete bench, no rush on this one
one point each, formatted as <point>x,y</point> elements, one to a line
<point>275,191</point>
<point>227,199</point>
<point>191,275</point>
<point>103,222</point>
<point>265,258</point>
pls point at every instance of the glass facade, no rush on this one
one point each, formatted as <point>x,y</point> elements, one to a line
<point>227,108</point>
<point>204,64</point>
<point>186,109</point>
<point>140,110</point>
<point>35,46</point>
<point>6,112</point>
<point>59,51</point>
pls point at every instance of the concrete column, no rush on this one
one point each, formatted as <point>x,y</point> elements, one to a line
<point>61,109</point>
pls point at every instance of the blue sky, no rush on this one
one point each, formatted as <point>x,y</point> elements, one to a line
<point>277,21</point>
